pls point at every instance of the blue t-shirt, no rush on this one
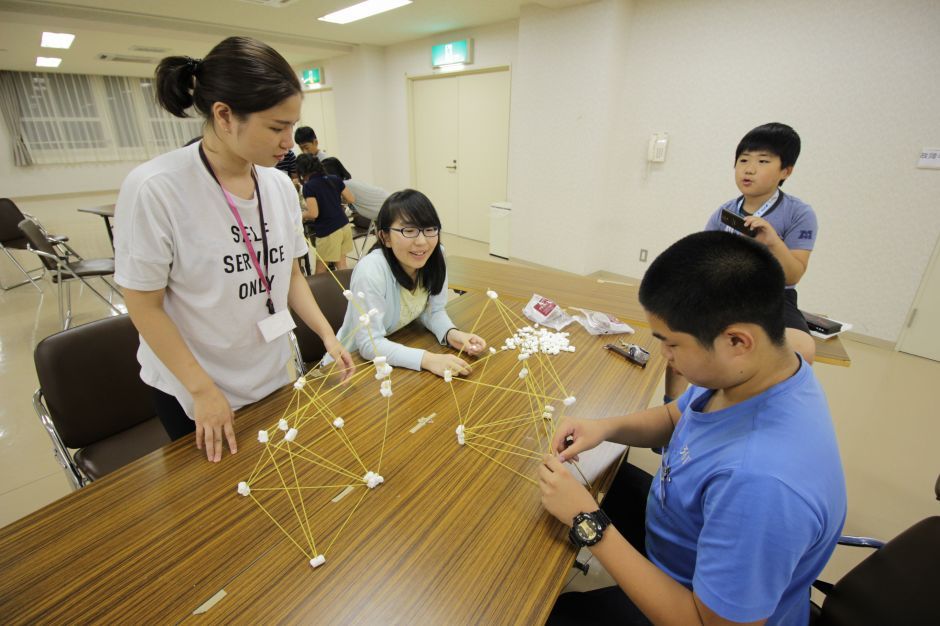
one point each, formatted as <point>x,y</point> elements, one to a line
<point>793,219</point>
<point>754,501</point>
<point>326,190</point>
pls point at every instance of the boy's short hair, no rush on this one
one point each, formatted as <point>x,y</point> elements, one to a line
<point>775,138</point>
<point>707,281</point>
<point>304,134</point>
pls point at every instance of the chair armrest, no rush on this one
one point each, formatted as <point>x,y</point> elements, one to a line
<point>860,542</point>
<point>59,449</point>
<point>52,257</point>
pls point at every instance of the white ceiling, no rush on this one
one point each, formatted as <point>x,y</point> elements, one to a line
<point>192,27</point>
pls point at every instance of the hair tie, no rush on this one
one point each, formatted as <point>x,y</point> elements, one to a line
<point>193,64</point>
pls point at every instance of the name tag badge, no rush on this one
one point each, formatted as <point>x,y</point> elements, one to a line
<point>273,326</point>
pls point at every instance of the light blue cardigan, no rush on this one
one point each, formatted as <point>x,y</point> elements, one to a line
<point>373,277</point>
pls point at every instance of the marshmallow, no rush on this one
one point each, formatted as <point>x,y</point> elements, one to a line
<point>347,294</point>
<point>448,376</point>
<point>569,400</point>
<point>380,360</point>
<point>243,488</point>
<point>339,422</point>
<point>492,294</point>
<point>386,388</point>
<point>361,295</point>
<point>263,436</point>
<point>461,439</point>
<point>282,424</point>
<point>382,371</point>
<point>364,318</point>
<point>372,480</point>
<point>299,384</point>
<point>373,312</point>
<point>317,561</point>
<point>492,350</point>
<point>547,415</point>
<point>523,373</point>
<point>523,356</point>
<point>549,408</point>
<point>290,435</point>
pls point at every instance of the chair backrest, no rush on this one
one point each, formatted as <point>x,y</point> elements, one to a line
<point>894,585</point>
<point>90,379</point>
<point>361,221</point>
<point>10,218</point>
<point>329,297</point>
<point>38,240</point>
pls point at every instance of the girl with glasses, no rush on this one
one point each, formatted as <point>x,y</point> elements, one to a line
<point>404,276</point>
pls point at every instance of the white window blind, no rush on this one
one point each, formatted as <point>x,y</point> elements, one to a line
<point>72,118</point>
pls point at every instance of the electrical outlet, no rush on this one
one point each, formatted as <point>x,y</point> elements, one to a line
<point>642,255</point>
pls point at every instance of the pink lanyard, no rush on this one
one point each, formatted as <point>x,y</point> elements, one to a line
<point>264,237</point>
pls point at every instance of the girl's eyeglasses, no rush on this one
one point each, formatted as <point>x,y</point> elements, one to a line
<point>412,232</point>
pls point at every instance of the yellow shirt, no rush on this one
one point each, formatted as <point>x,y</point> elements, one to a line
<point>412,306</point>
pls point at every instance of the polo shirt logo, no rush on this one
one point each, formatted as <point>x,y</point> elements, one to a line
<point>806,234</point>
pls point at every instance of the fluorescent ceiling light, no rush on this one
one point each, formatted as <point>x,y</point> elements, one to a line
<point>48,62</point>
<point>363,10</point>
<point>57,40</point>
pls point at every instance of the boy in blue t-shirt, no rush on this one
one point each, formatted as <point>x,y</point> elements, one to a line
<point>750,499</point>
<point>764,159</point>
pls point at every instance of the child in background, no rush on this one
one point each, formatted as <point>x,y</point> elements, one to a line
<point>323,197</point>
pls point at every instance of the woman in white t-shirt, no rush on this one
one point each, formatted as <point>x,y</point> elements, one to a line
<point>405,277</point>
<point>207,239</point>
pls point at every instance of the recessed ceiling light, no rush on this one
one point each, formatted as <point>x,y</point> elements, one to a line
<point>57,40</point>
<point>363,10</point>
<point>48,62</point>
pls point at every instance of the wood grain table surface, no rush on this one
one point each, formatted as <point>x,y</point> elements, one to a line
<point>572,290</point>
<point>450,537</point>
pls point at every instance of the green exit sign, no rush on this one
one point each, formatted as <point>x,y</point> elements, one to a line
<point>452,53</point>
<point>311,78</point>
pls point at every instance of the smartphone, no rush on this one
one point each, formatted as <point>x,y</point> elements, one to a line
<point>736,222</point>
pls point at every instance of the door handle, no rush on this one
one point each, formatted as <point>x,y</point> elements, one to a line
<point>452,167</point>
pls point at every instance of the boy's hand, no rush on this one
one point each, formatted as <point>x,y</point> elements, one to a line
<point>562,495</point>
<point>574,436</point>
<point>766,234</point>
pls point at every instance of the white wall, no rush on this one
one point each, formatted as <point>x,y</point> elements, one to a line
<point>857,80</point>
<point>372,101</point>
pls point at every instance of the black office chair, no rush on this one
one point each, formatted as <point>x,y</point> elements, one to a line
<point>897,584</point>
<point>64,267</point>
<point>11,238</point>
<point>308,348</point>
<point>91,399</point>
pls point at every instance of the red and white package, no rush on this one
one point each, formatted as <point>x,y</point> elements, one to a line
<point>546,312</point>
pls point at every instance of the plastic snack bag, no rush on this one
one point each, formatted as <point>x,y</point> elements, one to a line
<point>546,312</point>
<point>598,323</point>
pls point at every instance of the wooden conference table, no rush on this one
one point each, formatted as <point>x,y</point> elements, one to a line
<point>450,537</point>
<point>611,297</point>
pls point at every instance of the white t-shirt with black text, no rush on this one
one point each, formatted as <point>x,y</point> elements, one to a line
<point>174,230</point>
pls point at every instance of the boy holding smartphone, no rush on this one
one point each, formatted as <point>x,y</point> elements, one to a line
<point>764,159</point>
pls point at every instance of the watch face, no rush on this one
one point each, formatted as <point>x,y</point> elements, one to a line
<point>586,530</point>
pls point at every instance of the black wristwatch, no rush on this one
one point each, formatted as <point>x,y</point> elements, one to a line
<point>588,528</point>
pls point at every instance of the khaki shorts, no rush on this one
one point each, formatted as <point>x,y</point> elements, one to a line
<point>336,245</point>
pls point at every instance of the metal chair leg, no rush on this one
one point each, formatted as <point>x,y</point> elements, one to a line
<point>29,278</point>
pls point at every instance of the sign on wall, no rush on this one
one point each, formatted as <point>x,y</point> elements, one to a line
<point>452,53</point>
<point>311,78</point>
